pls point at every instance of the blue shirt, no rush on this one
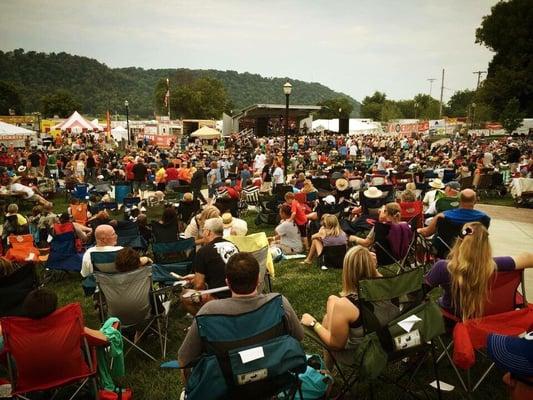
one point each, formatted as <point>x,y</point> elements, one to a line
<point>461,216</point>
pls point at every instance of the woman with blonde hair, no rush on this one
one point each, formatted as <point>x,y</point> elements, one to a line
<point>341,329</point>
<point>308,187</point>
<point>196,226</point>
<point>465,276</point>
<point>329,234</point>
<point>390,213</point>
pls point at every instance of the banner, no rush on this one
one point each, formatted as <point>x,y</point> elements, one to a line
<point>423,126</point>
<point>159,140</point>
<point>404,129</point>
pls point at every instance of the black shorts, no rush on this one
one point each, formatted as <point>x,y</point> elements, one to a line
<point>303,230</point>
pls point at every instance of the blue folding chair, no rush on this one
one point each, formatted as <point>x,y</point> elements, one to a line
<point>80,191</point>
<point>223,372</point>
<point>63,253</point>
<point>128,235</point>
<point>175,256</point>
<point>122,190</point>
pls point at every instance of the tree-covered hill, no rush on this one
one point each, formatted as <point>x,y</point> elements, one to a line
<point>96,87</point>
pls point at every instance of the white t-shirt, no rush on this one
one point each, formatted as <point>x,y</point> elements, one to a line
<point>381,163</point>
<point>259,162</point>
<point>87,264</point>
<point>289,235</point>
<point>353,150</point>
<point>278,176</point>
<point>18,187</point>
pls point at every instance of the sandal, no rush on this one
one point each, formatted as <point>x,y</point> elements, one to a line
<point>306,262</point>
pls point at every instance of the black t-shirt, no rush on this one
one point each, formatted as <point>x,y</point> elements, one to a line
<point>91,163</point>
<point>267,174</point>
<point>211,261</point>
<point>139,172</point>
<point>35,159</point>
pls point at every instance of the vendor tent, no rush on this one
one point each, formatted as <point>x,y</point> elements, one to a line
<point>206,133</point>
<point>12,135</point>
<point>119,133</point>
<point>76,123</point>
<point>356,126</point>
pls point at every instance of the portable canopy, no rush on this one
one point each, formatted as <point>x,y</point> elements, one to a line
<point>12,135</point>
<point>206,133</point>
<point>76,123</point>
<point>356,126</point>
<point>119,133</point>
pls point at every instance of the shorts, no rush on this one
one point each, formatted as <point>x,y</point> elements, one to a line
<point>303,230</point>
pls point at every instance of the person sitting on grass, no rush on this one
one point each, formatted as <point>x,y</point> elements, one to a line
<point>341,329</point>
<point>27,192</point>
<point>287,236</point>
<point>329,234</point>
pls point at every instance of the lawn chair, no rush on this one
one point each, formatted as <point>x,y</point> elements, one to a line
<point>15,287</point>
<point>394,246</point>
<point>81,191</point>
<point>64,251</point>
<point>22,249</point>
<point>122,190</point>
<point>389,342</point>
<point>79,213</point>
<point>257,245</point>
<point>413,213</point>
<point>467,182</point>
<point>129,202</point>
<point>48,353</point>
<point>164,233</point>
<point>484,184</point>
<point>445,235</point>
<point>446,203</point>
<point>506,312</point>
<point>128,235</point>
<point>175,256</point>
<point>222,371</point>
<point>130,297</point>
<point>187,210</point>
<point>332,256</point>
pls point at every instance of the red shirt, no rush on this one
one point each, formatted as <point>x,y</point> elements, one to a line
<point>172,174</point>
<point>300,217</point>
<point>128,169</point>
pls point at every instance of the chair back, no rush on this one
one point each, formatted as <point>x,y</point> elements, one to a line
<point>177,256</point>
<point>301,197</point>
<point>128,235</point>
<point>467,182</point>
<point>64,254</point>
<point>59,361</point>
<point>122,190</point>
<point>104,261</point>
<point>503,292</point>
<point>251,194</point>
<point>22,248</point>
<point>322,184</point>
<point>333,256</point>
<point>445,235</point>
<point>446,203</point>
<point>188,209</point>
<point>129,202</point>
<point>81,191</point>
<point>79,213</point>
<point>412,212</point>
<point>127,294</point>
<point>312,196</point>
<point>393,242</point>
<point>164,233</point>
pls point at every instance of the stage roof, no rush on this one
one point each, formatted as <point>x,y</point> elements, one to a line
<point>269,110</point>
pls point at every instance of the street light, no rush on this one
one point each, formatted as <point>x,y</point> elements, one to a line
<point>416,108</point>
<point>127,104</point>
<point>473,114</point>
<point>287,88</point>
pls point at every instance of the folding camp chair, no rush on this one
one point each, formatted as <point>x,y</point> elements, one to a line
<point>446,203</point>
<point>257,245</point>
<point>128,235</point>
<point>332,256</point>
<point>413,213</point>
<point>176,256</point>
<point>22,248</point>
<point>129,202</point>
<point>467,182</point>
<point>48,353</point>
<point>224,372</point>
<point>484,185</point>
<point>395,247</point>
<point>226,204</point>
<point>122,190</point>
<point>164,233</point>
<point>131,298</point>
<point>81,191</point>
<point>187,210</point>
<point>445,235</point>
<point>506,312</point>
<point>79,213</point>
<point>64,252</point>
<point>15,287</point>
<point>322,184</point>
<point>388,342</point>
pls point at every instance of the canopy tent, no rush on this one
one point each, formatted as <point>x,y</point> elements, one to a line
<point>356,126</point>
<point>12,135</point>
<point>76,123</point>
<point>119,133</point>
<point>206,133</point>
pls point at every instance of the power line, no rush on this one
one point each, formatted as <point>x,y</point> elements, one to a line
<point>430,84</point>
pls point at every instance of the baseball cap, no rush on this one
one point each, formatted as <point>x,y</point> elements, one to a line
<point>454,185</point>
<point>512,353</point>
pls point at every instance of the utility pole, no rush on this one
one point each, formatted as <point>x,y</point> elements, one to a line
<point>441,94</point>
<point>431,85</point>
<point>478,73</point>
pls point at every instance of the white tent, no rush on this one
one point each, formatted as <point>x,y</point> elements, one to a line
<point>12,135</point>
<point>76,123</point>
<point>206,133</point>
<point>119,133</point>
<point>356,126</point>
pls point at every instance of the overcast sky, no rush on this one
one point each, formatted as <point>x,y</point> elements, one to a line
<point>353,46</point>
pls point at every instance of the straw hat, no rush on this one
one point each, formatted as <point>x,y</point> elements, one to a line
<point>341,184</point>
<point>373,193</point>
<point>436,184</point>
<point>227,220</point>
<point>22,168</point>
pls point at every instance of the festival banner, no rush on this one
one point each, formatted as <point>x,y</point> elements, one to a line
<point>159,140</point>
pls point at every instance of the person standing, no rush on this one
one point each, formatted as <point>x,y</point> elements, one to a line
<point>197,181</point>
<point>140,171</point>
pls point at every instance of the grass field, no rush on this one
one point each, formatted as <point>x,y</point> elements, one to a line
<point>307,288</point>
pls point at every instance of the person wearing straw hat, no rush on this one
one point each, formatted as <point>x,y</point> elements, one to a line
<point>431,195</point>
<point>234,226</point>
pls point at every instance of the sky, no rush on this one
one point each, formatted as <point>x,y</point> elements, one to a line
<point>352,46</point>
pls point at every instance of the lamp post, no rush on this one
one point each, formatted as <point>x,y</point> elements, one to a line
<point>473,115</point>
<point>127,105</point>
<point>416,108</point>
<point>287,88</point>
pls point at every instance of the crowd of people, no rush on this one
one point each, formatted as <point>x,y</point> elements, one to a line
<point>338,191</point>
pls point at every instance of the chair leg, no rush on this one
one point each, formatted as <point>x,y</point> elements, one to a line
<point>436,369</point>
<point>78,389</point>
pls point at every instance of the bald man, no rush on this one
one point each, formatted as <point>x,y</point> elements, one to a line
<point>459,216</point>
<point>106,240</point>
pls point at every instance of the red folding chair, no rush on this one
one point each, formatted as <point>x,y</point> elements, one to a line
<point>412,212</point>
<point>48,353</point>
<point>506,313</point>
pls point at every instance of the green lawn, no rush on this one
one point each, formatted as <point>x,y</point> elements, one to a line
<point>307,288</point>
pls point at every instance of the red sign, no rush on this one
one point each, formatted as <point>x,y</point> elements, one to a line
<point>493,125</point>
<point>160,140</point>
<point>423,126</point>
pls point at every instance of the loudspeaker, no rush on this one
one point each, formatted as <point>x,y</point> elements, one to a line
<point>344,125</point>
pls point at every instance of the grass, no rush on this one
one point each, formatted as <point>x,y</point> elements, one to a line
<point>307,288</point>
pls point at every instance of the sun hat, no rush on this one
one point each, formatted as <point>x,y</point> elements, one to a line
<point>341,184</point>
<point>329,200</point>
<point>436,184</point>
<point>373,193</point>
<point>512,353</point>
<point>227,220</point>
<point>22,168</point>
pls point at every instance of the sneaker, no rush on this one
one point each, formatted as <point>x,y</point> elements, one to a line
<point>324,268</point>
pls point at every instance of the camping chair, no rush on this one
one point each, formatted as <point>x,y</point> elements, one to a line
<point>322,184</point>
<point>80,191</point>
<point>467,182</point>
<point>122,190</point>
<point>164,233</point>
<point>22,249</point>
<point>64,251</point>
<point>448,175</point>
<point>224,372</point>
<point>226,204</point>
<point>506,312</point>
<point>395,247</point>
<point>79,213</point>
<point>257,245</point>
<point>332,256</point>
<point>484,185</point>
<point>176,256</point>
<point>48,353</point>
<point>445,235</point>
<point>15,287</point>
<point>188,209</point>
<point>413,213</point>
<point>130,297</point>
<point>312,196</point>
<point>128,235</point>
<point>251,195</point>
<point>129,202</point>
<point>446,203</point>
<point>301,197</point>
<point>388,342</point>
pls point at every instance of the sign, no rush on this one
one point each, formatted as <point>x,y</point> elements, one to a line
<point>493,125</point>
<point>159,140</point>
<point>423,126</point>
<point>404,129</point>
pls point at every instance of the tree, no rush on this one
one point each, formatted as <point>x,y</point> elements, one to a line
<point>460,102</point>
<point>339,107</point>
<point>372,105</point>
<point>511,117</point>
<point>60,103</point>
<point>508,31</point>
<point>10,101</point>
<point>390,110</point>
<point>428,107</point>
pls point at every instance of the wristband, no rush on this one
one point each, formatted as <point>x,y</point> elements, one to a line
<point>316,326</point>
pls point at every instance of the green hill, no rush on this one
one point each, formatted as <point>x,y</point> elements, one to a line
<point>96,87</point>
